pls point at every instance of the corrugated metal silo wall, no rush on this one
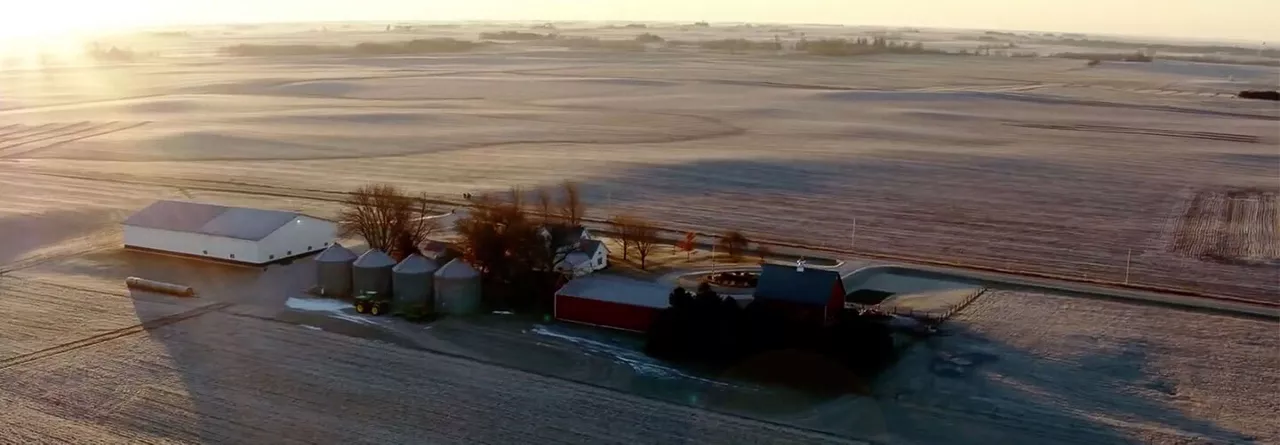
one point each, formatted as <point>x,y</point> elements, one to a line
<point>412,290</point>
<point>372,279</point>
<point>334,279</point>
<point>457,296</point>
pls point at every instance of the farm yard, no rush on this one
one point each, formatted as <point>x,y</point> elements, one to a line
<point>1151,175</point>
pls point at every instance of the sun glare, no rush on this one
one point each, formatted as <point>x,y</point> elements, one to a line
<point>39,32</point>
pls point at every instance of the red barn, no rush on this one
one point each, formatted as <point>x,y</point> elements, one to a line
<point>802,294</point>
<point>611,301</point>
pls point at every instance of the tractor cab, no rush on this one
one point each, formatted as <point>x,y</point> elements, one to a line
<point>373,304</point>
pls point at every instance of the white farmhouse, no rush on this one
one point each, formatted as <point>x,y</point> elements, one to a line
<point>589,257</point>
<point>233,234</point>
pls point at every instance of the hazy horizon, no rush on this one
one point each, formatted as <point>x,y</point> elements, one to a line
<point>1240,20</point>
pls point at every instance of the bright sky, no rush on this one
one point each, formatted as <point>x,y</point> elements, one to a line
<point>1232,19</point>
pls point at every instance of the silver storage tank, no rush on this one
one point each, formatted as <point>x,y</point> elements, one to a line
<point>372,273</point>
<point>457,287</point>
<point>333,271</point>
<point>411,282</point>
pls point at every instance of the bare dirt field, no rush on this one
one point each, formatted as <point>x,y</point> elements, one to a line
<point>1036,165</point>
<point>1235,226</point>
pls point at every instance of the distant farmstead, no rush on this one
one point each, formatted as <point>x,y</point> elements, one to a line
<point>231,234</point>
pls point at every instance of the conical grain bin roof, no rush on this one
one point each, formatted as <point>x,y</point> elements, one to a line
<point>416,264</point>
<point>457,270</point>
<point>374,259</point>
<point>336,254</point>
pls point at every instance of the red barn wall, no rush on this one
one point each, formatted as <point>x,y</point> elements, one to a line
<point>604,313</point>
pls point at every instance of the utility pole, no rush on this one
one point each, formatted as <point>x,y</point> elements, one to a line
<point>853,236</point>
<point>1127,261</point>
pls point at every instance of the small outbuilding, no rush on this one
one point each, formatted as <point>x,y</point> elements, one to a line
<point>412,282</point>
<point>372,273</point>
<point>333,271</point>
<point>803,294</point>
<point>228,234</point>
<point>457,288</point>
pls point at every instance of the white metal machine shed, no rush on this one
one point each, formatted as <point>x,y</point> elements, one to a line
<point>235,234</point>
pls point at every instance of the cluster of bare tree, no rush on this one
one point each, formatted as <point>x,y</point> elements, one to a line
<point>510,242</point>
<point>388,218</point>
<point>635,234</point>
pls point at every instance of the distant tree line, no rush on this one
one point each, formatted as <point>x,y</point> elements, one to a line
<point>515,35</point>
<point>418,46</point>
<point>1106,57</point>
<point>1164,47</point>
<point>709,329</point>
<point>860,46</point>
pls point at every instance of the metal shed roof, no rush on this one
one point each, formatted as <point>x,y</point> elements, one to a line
<point>209,219</point>
<point>616,289</point>
<point>785,283</point>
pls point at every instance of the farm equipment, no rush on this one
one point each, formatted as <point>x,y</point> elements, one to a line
<point>373,304</point>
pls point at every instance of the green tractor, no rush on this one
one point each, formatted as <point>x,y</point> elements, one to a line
<point>373,304</point>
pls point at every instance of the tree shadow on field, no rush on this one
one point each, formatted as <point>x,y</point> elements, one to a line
<point>965,388</point>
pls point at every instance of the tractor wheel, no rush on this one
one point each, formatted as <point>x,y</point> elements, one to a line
<point>375,309</point>
<point>361,308</point>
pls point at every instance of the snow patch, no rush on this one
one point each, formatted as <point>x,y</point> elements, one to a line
<point>503,313</point>
<point>638,362</point>
<point>335,308</point>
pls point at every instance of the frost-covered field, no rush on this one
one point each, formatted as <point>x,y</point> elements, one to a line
<point>1033,368</point>
<point>220,378</point>
<point>1036,165</point>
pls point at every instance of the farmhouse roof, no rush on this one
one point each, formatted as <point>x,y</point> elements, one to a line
<point>210,219</point>
<point>786,283</point>
<point>590,246</point>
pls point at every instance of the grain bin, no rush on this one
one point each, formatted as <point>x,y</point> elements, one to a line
<point>457,288</point>
<point>372,273</point>
<point>333,271</point>
<point>411,282</point>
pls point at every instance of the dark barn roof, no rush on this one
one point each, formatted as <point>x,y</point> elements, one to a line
<point>785,283</point>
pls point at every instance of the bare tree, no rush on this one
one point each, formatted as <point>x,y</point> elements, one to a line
<point>623,229</point>
<point>544,205</point>
<point>764,252</point>
<point>734,243</point>
<point>388,218</point>
<point>644,235</point>
<point>572,209</point>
